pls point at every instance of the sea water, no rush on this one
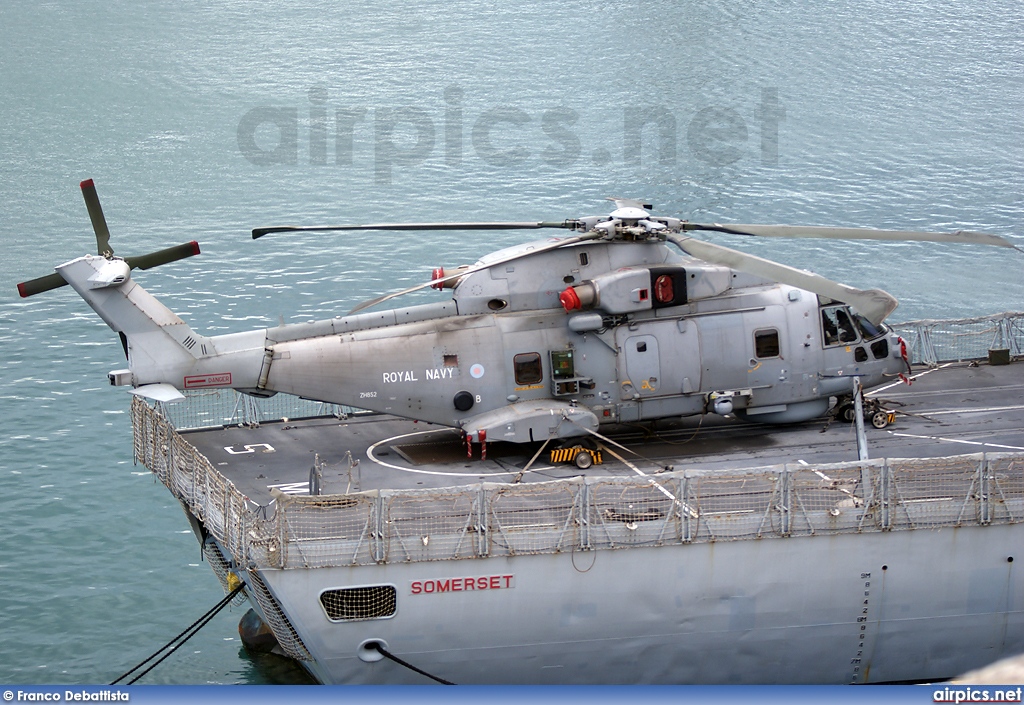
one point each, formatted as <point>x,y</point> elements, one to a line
<point>204,120</point>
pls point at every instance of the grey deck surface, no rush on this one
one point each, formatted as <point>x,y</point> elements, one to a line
<point>948,411</point>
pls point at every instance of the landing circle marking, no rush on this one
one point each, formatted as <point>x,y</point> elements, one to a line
<point>372,457</point>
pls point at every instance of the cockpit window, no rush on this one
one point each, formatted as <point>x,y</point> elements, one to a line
<point>868,329</point>
<point>837,327</point>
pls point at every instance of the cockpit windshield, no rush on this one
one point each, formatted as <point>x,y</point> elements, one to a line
<point>841,326</point>
<point>868,329</point>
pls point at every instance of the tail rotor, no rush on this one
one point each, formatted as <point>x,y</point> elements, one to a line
<point>103,248</point>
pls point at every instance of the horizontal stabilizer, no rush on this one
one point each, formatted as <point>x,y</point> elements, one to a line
<point>158,392</point>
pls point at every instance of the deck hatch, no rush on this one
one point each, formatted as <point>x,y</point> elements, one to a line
<point>350,604</point>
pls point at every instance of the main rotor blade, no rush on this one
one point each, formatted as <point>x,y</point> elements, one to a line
<point>959,236</point>
<point>99,223</point>
<point>260,232</point>
<point>873,304</point>
<point>592,235</point>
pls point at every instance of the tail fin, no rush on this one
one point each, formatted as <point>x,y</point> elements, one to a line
<point>156,340</point>
<point>162,348</point>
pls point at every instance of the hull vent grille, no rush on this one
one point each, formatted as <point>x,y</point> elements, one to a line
<point>350,604</point>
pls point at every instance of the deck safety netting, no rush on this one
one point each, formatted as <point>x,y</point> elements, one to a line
<point>289,640</point>
<point>531,519</point>
<point>735,506</point>
<point>421,524</point>
<point>931,492</point>
<point>835,498</point>
<point>1005,487</point>
<point>600,512</point>
<point>226,407</point>
<point>934,341</point>
<point>623,512</point>
<point>326,530</point>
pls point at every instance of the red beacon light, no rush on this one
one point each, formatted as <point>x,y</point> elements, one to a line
<point>570,300</point>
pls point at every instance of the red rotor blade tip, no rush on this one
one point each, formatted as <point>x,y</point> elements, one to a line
<point>86,184</point>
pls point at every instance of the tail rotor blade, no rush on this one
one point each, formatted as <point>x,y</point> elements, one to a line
<point>99,223</point>
<point>165,256</point>
<point>153,259</point>
<point>41,284</point>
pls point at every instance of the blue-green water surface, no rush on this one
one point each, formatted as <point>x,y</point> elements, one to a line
<point>203,120</point>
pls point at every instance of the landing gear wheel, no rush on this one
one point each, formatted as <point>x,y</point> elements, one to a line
<point>880,419</point>
<point>584,460</point>
<point>847,412</point>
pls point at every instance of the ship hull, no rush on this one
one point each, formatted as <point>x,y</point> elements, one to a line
<point>850,608</point>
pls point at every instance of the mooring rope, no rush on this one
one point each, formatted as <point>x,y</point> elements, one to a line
<point>387,654</point>
<point>190,631</point>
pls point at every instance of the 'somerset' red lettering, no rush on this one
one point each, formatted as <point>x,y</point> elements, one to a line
<point>484,582</point>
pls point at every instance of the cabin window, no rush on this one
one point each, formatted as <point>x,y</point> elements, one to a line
<point>766,343</point>
<point>584,259</point>
<point>528,368</point>
<point>451,360</point>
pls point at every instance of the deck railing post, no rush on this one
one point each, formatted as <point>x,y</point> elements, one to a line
<point>583,503</point>
<point>984,507</point>
<point>883,496</point>
<point>378,539</point>
<point>784,501</point>
<point>483,515</point>
<point>689,521</point>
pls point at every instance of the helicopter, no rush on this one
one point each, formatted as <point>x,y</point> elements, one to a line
<point>628,319</point>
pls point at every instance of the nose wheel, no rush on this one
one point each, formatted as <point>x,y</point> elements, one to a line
<point>873,412</point>
<point>880,419</point>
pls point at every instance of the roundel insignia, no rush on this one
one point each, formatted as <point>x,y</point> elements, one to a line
<point>476,371</point>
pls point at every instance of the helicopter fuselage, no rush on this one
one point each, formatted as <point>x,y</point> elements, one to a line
<point>554,345</point>
<point>759,351</point>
